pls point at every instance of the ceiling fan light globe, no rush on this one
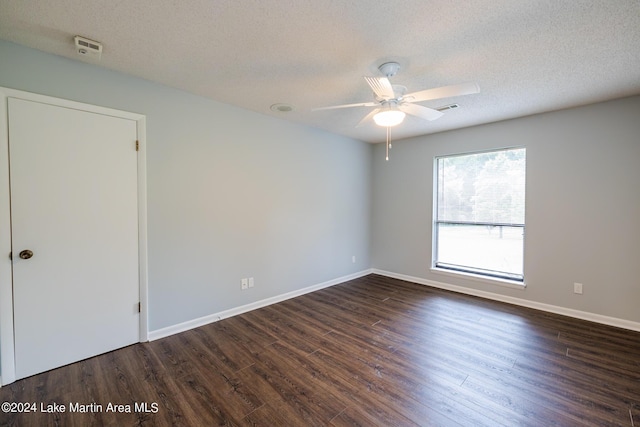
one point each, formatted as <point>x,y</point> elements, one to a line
<point>389,118</point>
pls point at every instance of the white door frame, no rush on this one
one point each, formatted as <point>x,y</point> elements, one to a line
<point>7,350</point>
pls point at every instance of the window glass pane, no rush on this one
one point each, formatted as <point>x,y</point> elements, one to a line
<point>492,250</point>
<point>484,187</point>
<point>479,225</point>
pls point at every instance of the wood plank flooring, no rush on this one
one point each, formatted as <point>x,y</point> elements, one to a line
<point>374,351</point>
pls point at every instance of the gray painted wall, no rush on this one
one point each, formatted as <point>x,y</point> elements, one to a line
<point>231,193</point>
<point>234,194</point>
<point>582,212</point>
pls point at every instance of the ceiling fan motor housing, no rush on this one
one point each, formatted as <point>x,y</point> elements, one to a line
<point>398,92</point>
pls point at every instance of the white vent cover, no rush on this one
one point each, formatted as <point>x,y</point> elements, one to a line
<point>448,107</point>
<point>87,47</point>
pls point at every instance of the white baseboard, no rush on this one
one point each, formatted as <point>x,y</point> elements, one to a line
<point>201,321</point>
<point>584,315</point>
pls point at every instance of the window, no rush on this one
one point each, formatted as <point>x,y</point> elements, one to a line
<point>479,213</point>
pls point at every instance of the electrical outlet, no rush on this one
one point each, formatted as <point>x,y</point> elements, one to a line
<point>245,284</point>
<point>353,259</point>
<point>251,283</point>
<point>577,288</point>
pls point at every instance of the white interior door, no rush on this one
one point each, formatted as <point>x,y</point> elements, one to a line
<point>74,205</point>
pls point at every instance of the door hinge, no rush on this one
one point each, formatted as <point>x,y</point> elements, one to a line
<point>139,308</point>
<point>137,145</point>
<point>11,256</point>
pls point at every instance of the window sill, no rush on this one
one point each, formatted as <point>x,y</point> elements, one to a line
<point>478,278</point>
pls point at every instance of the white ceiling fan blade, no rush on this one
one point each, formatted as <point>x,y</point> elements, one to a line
<point>420,111</point>
<point>333,107</point>
<point>368,117</point>
<point>443,92</point>
<point>381,86</point>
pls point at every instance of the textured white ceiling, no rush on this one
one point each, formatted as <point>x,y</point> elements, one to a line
<point>527,56</point>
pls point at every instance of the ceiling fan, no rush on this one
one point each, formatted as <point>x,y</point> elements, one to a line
<point>393,103</point>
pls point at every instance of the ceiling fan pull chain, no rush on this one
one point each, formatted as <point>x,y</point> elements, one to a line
<point>387,143</point>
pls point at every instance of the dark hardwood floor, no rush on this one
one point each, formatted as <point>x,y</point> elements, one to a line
<point>373,351</point>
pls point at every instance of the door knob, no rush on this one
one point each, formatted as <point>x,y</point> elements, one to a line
<point>26,254</point>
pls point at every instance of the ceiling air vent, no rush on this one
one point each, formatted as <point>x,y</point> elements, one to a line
<point>87,47</point>
<point>447,107</point>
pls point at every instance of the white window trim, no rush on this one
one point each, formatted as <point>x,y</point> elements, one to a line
<point>513,284</point>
